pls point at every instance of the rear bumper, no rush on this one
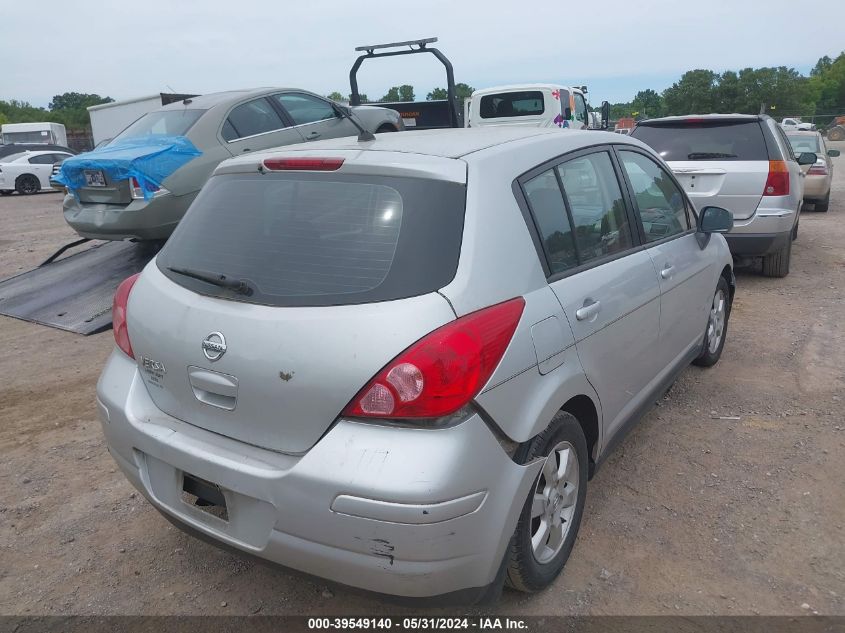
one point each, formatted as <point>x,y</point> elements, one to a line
<point>816,187</point>
<point>766,232</point>
<point>153,219</point>
<point>407,512</point>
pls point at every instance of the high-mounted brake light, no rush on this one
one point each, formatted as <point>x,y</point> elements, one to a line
<point>442,371</point>
<point>303,164</point>
<point>118,314</point>
<point>777,183</point>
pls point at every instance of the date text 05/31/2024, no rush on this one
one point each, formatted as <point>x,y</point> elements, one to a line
<point>418,623</point>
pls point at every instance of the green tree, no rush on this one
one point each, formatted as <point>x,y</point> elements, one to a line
<point>363,97</point>
<point>728,92</point>
<point>692,93</point>
<point>335,96</point>
<point>399,93</point>
<point>828,86</point>
<point>77,101</point>
<point>648,103</point>
<point>462,91</point>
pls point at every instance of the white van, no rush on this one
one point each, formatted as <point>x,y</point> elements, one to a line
<point>536,105</point>
<point>47,133</point>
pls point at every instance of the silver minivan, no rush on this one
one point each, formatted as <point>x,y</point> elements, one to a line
<point>744,163</point>
<point>395,364</point>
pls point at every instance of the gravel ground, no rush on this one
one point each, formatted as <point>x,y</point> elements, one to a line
<point>692,514</point>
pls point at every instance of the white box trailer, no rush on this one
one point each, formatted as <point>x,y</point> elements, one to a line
<point>109,119</point>
<point>47,133</point>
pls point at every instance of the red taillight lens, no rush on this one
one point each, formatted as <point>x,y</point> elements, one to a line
<point>137,191</point>
<point>817,170</point>
<point>777,184</point>
<point>118,314</point>
<point>303,164</point>
<point>442,371</point>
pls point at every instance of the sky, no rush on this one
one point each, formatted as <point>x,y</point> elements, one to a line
<point>199,46</point>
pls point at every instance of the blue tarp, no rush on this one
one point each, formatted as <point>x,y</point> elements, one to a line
<point>149,159</point>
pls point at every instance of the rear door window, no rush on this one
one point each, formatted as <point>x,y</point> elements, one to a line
<point>598,209</point>
<point>251,118</point>
<point>511,104</point>
<point>319,240</point>
<point>660,202</point>
<point>304,108</point>
<point>546,202</point>
<point>705,140</point>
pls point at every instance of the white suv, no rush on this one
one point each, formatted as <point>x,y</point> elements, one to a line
<point>745,164</point>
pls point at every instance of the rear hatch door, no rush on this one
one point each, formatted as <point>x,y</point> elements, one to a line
<point>722,162</point>
<point>339,275</point>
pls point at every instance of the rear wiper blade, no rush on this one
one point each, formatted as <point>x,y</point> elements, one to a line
<point>705,155</point>
<point>241,286</point>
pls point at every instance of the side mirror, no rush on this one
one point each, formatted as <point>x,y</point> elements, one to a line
<point>715,220</point>
<point>833,153</point>
<point>807,158</point>
<point>605,115</point>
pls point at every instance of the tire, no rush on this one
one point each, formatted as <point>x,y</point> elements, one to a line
<point>823,204</point>
<point>717,326</point>
<point>836,134</point>
<point>777,264</point>
<point>27,185</point>
<point>528,569</point>
<point>795,231</point>
<point>6,192</point>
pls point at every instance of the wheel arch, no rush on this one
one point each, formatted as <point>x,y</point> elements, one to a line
<point>582,408</point>
<point>728,275</point>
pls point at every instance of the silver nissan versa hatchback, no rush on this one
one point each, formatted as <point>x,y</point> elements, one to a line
<point>395,364</point>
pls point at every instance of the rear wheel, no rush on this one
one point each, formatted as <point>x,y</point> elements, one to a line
<point>717,326</point>
<point>777,264</point>
<point>552,512</point>
<point>823,204</point>
<point>28,184</point>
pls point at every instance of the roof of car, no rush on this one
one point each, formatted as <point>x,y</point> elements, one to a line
<point>515,87</point>
<point>446,143</point>
<point>216,98</point>
<point>706,117</point>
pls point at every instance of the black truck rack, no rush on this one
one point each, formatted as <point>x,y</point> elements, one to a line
<point>418,115</point>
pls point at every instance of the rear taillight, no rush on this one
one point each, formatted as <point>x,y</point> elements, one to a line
<point>303,164</point>
<point>444,370</point>
<point>118,314</point>
<point>137,191</point>
<point>817,170</point>
<point>777,183</point>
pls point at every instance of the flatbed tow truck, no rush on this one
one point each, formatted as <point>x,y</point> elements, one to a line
<point>74,292</point>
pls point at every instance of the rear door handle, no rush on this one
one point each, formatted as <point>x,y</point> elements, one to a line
<point>588,311</point>
<point>312,135</point>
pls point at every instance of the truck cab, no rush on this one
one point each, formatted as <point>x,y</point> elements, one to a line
<point>533,105</point>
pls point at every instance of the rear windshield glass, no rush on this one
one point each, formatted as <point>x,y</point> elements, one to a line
<point>722,140</point>
<point>166,122</point>
<point>308,239</point>
<point>804,143</point>
<point>506,104</point>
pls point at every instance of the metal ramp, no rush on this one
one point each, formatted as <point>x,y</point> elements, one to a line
<point>74,293</point>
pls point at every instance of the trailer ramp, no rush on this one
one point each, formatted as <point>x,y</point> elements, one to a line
<point>74,293</point>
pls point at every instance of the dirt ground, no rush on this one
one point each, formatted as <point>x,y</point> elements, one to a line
<point>693,514</point>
